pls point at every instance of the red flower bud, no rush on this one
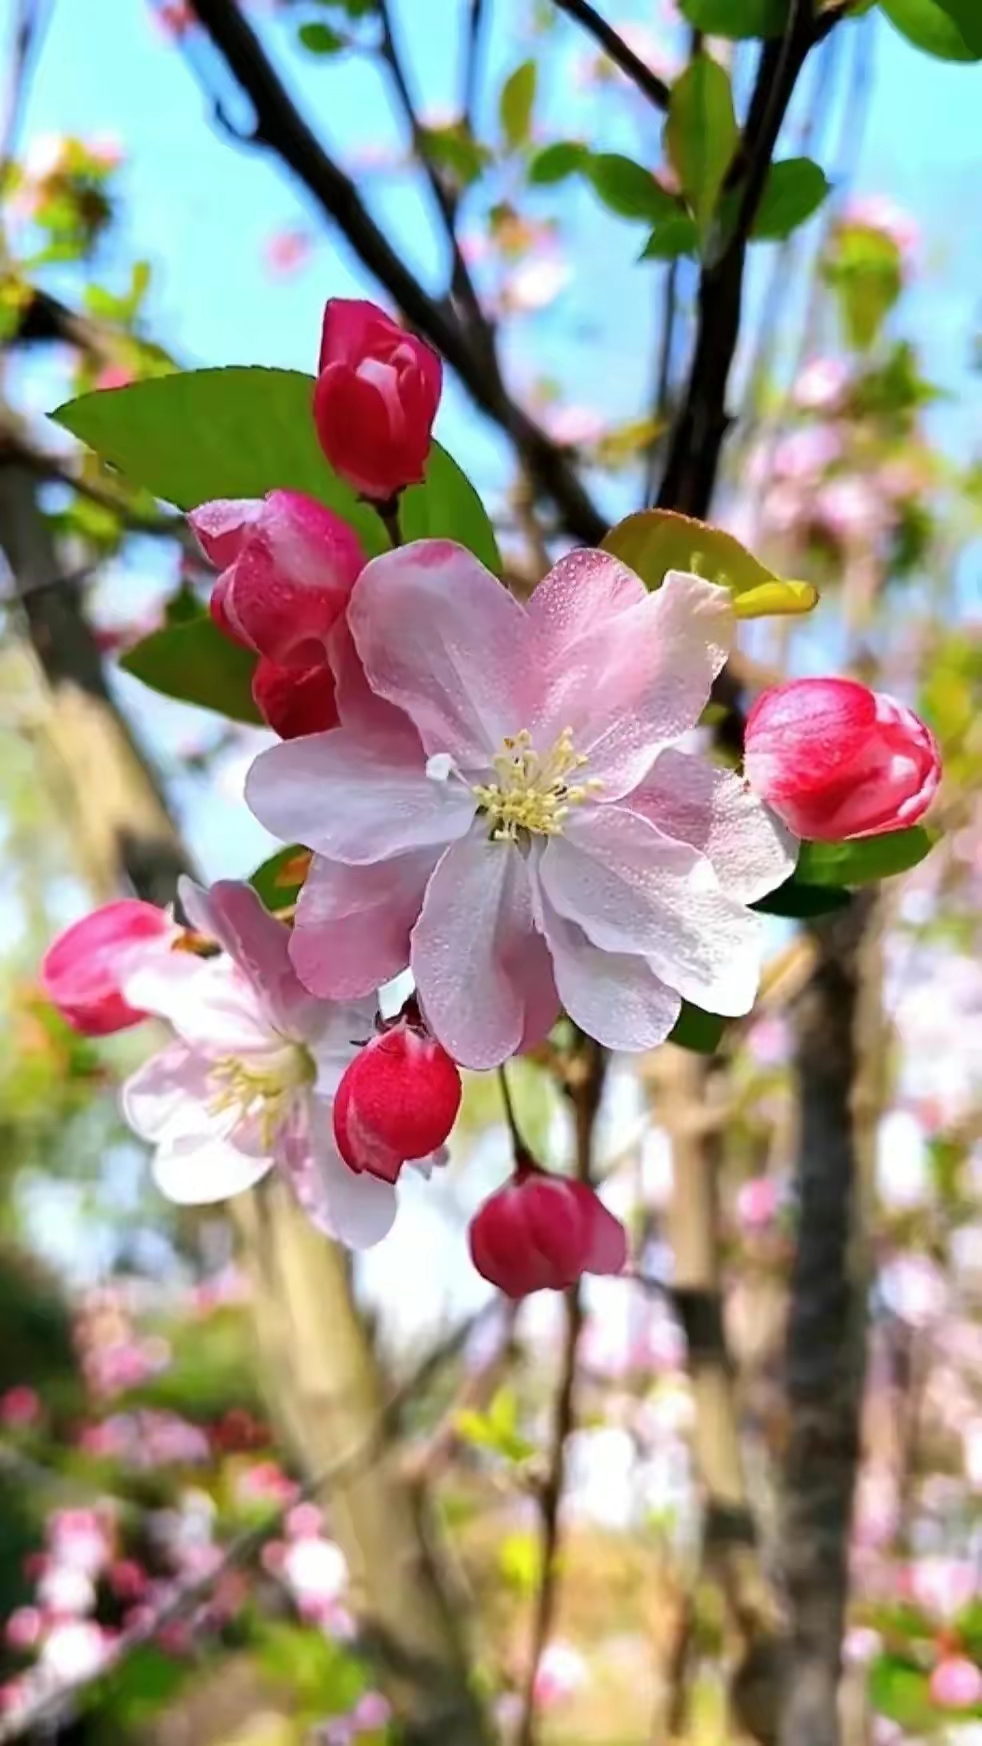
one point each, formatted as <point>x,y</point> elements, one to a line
<point>397,1101</point>
<point>288,566</point>
<point>294,701</point>
<point>836,760</point>
<point>542,1233</point>
<point>377,393</point>
<point>82,971</point>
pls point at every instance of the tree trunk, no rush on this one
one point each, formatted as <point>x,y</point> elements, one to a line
<point>320,1372</point>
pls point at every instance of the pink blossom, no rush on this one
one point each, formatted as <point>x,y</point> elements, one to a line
<point>573,425</point>
<point>535,284</point>
<point>757,1202</point>
<point>314,1570</point>
<point>371,1712</point>
<point>852,511</point>
<point>821,385</point>
<point>23,1629</point>
<point>83,970</point>
<point>805,454</point>
<point>561,1673</point>
<point>248,1080</point>
<point>287,568</point>
<point>114,376</point>
<point>943,1586</point>
<point>294,701</point>
<point>377,393</point>
<point>79,1540</point>
<point>956,1683</point>
<point>304,1521</point>
<point>505,810</point>
<point>287,251</point>
<point>879,212</point>
<point>20,1406</point>
<point>837,760</point>
<point>542,1233</point>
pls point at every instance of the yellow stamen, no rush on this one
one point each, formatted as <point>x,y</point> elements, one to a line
<point>265,1086</point>
<point>533,794</point>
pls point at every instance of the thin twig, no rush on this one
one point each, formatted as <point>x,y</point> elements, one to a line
<point>518,1146</point>
<point>663,378</point>
<point>617,50</point>
<point>472,62</point>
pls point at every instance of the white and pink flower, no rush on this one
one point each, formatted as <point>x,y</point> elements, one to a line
<point>247,1083</point>
<point>505,809</point>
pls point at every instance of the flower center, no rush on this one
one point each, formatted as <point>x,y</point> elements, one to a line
<point>533,794</point>
<point>264,1087</point>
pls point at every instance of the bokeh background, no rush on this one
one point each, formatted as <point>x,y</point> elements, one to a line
<point>252,1493</point>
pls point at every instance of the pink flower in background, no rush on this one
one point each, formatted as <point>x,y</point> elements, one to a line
<point>20,1407</point>
<point>115,376</point>
<point>852,511</point>
<point>377,393</point>
<point>879,212</point>
<point>806,454</point>
<point>246,1084</point>
<point>956,1683</point>
<point>505,810</point>
<point>286,252</point>
<point>23,1629</point>
<point>561,1673</point>
<point>573,425</point>
<point>287,566</point>
<point>75,1649</point>
<point>175,18</point>
<point>837,760</point>
<point>535,284</point>
<point>84,969</point>
<point>821,386</point>
<point>542,1233</point>
<point>943,1586</point>
<point>757,1203</point>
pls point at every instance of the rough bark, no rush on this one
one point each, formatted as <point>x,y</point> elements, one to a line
<point>320,1371</point>
<point>827,1322</point>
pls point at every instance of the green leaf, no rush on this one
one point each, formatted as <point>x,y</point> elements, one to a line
<point>557,161</point>
<point>279,880</point>
<point>736,18</point>
<point>197,664</point>
<point>866,271</point>
<point>901,1691</point>
<point>795,189</point>
<point>697,1030</point>
<point>864,858</point>
<point>199,434</point>
<point>676,236</point>
<point>516,104</point>
<point>701,134</point>
<point>654,541</point>
<point>629,189</point>
<point>798,900</point>
<point>320,39</point>
<point>455,150</point>
<point>447,507</point>
<point>939,27</point>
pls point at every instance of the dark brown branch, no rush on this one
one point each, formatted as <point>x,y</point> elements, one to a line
<point>281,129</point>
<point>826,1329</point>
<point>616,50</point>
<point>472,61</point>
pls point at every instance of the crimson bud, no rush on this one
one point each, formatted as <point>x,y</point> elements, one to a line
<point>836,760</point>
<point>544,1232</point>
<point>294,700</point>
<point>397,1101</point>
<point>377,393</point>
<point>82,971</point>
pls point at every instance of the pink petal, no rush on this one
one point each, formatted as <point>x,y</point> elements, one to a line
<point>360,709</point>
<point>234,914</point>
<point>637,680</point>
<point>711,809</point>
<point>221,526</point>
<point>583,590</point>
<point>358,1210</point>
<point>342,797</point>
<point>607,1248</point>
<point>632,890</point>
<point>156,1097</point>
<point>208,1001</point>
<point>614,997</point>
<point>468,948</point>
<point>353,924</point>
<point>444,641</point>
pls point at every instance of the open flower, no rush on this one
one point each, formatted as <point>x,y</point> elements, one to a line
<point>503,807</point>
<point>247,1083</point>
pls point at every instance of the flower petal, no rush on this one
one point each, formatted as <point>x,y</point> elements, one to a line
<point>632,890</point>
<point>208,1001</point>
<point>156,1098</point>
<point>468,949</point>
<point>342,797</point>
<point>232,913</point>
<point>361,709</point>
<point>358,1210</point>
<point>698,803</point>
<point>637,680</point>
<point>200,1166</point>
<point>353,924</point>
<point>615,997</point>
<point>584,589</point>
<point>445,641</point>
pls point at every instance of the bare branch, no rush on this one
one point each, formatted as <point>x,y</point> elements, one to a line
<point>616,49</point>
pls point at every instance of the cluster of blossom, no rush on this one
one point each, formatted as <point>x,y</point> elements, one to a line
<point>113,1356</point>
<point>495,797</point>
<point>147,1438</point>
<point>59,1630</point>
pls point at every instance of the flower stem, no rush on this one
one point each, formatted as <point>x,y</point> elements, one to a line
<point>523,1158</point>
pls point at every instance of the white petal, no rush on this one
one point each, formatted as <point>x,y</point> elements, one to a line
<point>233,913</point>
<point>207,1000</point>
<point>632,890</point>
<point>698,803</point>
<point>196,1169</point>
<point>158,1096</point>
<point>358,1210</point>
<point>350,801</point>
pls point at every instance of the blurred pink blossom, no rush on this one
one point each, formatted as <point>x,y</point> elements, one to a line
<point>23,1629</point>
<point>956,1683</point>
<point>561,1673</point>
<point>880,212</point>
<point>20,1406</point>
<point>821,385</point>
<point>286,252</point>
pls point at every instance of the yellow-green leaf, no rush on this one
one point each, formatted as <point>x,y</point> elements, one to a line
<point>654,541</point>
<point>701,134</point>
